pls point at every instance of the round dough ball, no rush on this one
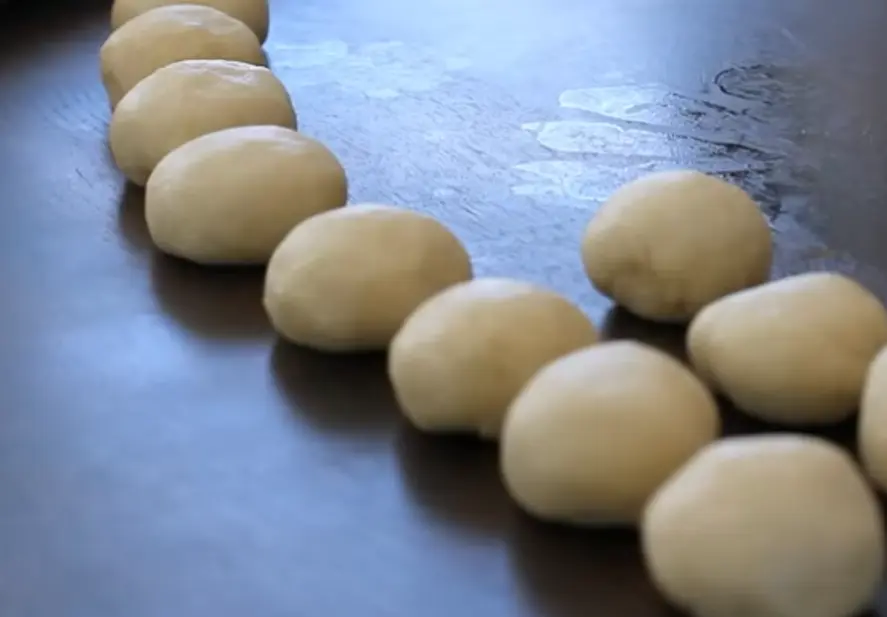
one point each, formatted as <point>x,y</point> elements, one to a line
<point>793,351</point>
<point>872,429</point>
<point>595,433</point>
<point>667,244</point>
<point>187,99</point>
<point>345,280</point>
<point>463,355</point>
<point>253,13</point>
<point>230,197</point>
<point>766,526</point>
<point>168,34</point>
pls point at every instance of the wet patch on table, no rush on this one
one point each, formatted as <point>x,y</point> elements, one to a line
<point>739,127</point>
<point>381,70</point>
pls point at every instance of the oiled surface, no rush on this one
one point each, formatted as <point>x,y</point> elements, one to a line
<point>162,454</point>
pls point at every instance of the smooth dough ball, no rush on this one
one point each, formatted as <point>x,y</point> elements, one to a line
<point>463,355</point>
<point>793,351</point>
<point>253,13</point>
<point>187,99</point>
<point>766,526</point>
<point>667,244</point>
<point>595,433</point>
<point>345,280</point>
<point>231,197</point>
<point>168,34</point>
<point>872,429</point>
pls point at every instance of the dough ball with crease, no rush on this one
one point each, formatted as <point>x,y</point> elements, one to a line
<point>793,351</point>
<point>231,196</point>
<point>253,13</point>
<point>775,525</point>
<point>596,432</point>
<point>464,354</point>
<point>345,280</point>
<point>168,34</point>
<point>669,243</point>
<point>872,427</point>
<point>188,99</point>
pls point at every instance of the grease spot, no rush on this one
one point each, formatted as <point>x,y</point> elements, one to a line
<point>609,140</point>
<point>570,179</point>
<point>618,102</point>
<point>574,136</point>
<point>580,181</point>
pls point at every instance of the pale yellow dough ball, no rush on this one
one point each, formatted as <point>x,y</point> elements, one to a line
<point>766,526</point>
<point>667,244</point>
<point>231,196</point>
<point>593,434</point>
<point>872,428</point>
<point>254,13</point>
<point>345,280</point>
<point>793,351</point>
<point>187,99</point>
<point>168,34</point>
<point>464,354</point>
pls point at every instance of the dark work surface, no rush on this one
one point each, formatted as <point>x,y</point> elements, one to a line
<point>162,454</point>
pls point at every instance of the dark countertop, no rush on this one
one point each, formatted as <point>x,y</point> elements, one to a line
<point>161,454</point>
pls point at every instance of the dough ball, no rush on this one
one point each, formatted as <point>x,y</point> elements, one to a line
<point>593,434</point>
<point>254,13</point>
<point>793,351</point>
<point>872,436</point>
<point>669,243</point>
<point>230,197</point>
<point>766,526</point>
<point>345,280</point>
<point>168,34</point>
<point>187,99</point>
<point>463,355</point>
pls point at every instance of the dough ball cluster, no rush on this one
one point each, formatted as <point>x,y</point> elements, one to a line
<point>779,525</point>
<point>189,99</point>
<point>590,433</point>
<point>168,34</point>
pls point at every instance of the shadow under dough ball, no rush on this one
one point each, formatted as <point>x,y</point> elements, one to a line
<point>168,34</point>
<point>345,280</point>
<point>254,13</point>
<point>777,525</point>
<point>464,354</point>
<point>793,351</point>
<point>669,243</point>
<point>187,99</point>
<point>230,197</point>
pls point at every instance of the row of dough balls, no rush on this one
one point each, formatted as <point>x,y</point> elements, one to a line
<point>591,433</point>
<point>209,131</point>
<point>618,433</point>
